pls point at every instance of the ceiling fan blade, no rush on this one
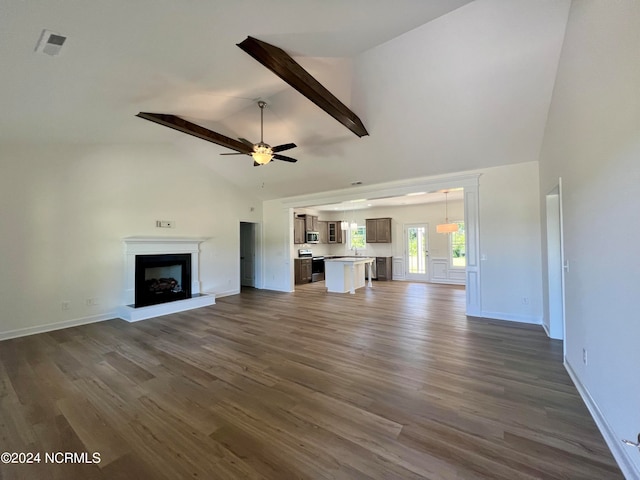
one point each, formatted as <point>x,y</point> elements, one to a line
<point>283,147</point>
<point>285,67</point>
<point>247,142</point>
<point>286,159</point>
<point>190,128</point>
<point>236,153</point>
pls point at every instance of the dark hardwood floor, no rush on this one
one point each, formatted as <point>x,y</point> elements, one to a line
<point>393,382</point>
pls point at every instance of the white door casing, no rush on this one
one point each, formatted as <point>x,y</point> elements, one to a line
<point>554,318</point>
<point>472,238</point>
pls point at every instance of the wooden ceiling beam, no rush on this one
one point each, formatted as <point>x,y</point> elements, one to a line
<point>190,128</point>
<point>285,67</point>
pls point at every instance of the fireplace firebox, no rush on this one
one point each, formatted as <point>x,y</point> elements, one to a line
<point>162,278</point>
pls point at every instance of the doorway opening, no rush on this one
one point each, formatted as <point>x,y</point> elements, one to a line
<point>247,254</point>
<point>554,320</point>
<point>393,195</point>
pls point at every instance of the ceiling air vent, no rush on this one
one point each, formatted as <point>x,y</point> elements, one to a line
<point>50,43</point>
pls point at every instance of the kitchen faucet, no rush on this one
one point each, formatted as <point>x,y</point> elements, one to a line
<point>355,249</point>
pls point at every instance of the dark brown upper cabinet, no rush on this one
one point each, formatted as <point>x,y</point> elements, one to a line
<point>378,230</point>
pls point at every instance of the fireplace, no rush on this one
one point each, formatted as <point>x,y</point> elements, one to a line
<point>162,278</point>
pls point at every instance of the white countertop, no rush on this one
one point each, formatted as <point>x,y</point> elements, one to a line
<point>350,259</point>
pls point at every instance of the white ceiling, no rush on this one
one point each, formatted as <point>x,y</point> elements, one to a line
<point>441,85</point>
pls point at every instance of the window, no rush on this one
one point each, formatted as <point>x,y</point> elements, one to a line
<point>357,237</point>
<point>457,247</point>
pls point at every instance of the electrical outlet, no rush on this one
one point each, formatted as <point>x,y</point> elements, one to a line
<point>92,302</point>
<point>525,300</point>
<point>584,356</point>
<point>66,305</point>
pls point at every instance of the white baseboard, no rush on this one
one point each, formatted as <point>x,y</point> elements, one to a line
<point>227,293</point>
<point>277,288</point>
<point>619,451</point>
<point>532,319</point>
<point>449,282</point>
<point>546,330</point>
<point>50,327</point>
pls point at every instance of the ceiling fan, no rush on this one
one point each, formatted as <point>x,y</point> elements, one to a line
<point>261,152</point>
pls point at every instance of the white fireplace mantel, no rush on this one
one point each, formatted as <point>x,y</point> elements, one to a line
<point>158,246</point>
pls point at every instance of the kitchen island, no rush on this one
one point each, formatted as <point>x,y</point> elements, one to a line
<point>346,274</point>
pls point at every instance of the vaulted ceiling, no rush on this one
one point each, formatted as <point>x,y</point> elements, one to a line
<point>441,85</point>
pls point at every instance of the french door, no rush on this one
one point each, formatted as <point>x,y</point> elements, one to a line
<point>416,237</point>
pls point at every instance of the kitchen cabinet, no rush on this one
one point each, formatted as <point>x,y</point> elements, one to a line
<point>322,228</point>
<point>311,223</point>
<point>378,230</point>
<point>384,268</point>
<point>299,235</point>
<point>302,270</point>
<point>334,234</point>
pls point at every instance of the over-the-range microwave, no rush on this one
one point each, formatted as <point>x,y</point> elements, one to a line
<point>313,237</point>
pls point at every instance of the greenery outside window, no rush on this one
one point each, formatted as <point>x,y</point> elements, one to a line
<point>357,238</point>
<point>457,248</point>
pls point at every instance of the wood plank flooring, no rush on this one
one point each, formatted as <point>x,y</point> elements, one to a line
<point>391,383</point>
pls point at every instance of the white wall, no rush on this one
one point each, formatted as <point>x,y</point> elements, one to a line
<point>510,246</point>
<point>592,141</point>
<point>278,246</point>
<point>65,211</point>
<point>509,238</point>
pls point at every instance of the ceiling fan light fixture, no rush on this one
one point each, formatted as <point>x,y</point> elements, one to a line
<point>262,153</point>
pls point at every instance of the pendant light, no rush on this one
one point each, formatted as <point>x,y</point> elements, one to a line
<point>446,227</point>
<point>353,225</point>
<point>344,225</point>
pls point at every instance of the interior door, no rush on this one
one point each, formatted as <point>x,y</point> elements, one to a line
<point>416,237</point>
<point>247,254</point>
